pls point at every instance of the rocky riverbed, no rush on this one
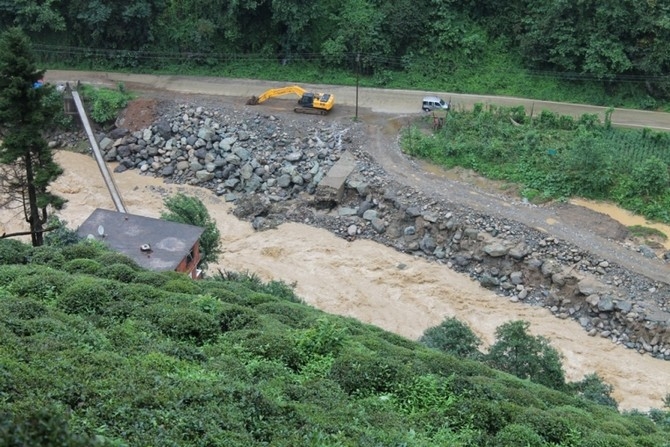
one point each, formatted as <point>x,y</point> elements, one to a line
<point>270,167</point>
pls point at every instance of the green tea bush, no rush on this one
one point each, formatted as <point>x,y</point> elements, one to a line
<point>551,428</point>
<point>598,438</point>
<point>9,272</point>
<point>13,251</point>
<point>363,374</point>
<point>42,284</point>
<point>85,295</point>
<point>22,308</point>
<point>271,345</point>
<point>154,279</point>
<point>118,272</point>
<point>184,323</point>
<point>233,317</point>
<point>44,424</point>
<point>82,265</point>
<point>293,315</point>
<point>46,255</point>
<point>483,414</point>
<point>518,435</point>
<point>112,257</point>
<point>182,285</point>
<point>84,250</point>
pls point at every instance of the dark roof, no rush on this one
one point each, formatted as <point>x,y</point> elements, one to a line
<point>126,233</point>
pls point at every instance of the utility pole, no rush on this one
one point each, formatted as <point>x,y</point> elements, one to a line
<point>358,60</point>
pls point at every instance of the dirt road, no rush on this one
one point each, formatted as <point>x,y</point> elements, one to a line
<point>384,111</point>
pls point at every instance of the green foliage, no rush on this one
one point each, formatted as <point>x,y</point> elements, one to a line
<point>85,266</point>
<point>108,257</point>
<point>593,388</point>
<point>518,435</point>
<point>84,250</point>
<point>86,296</point>
<point>118,272</point>
<point>453,337</point>
<point>526,356</point>
<point>43,284</point>
<point>118,364</point>
<point>24,118</point>
<point>60,235</point>
<point>47,255</point>
<point>43,426</point>
<point>13,251</point>
<point>190,210</point>
<point>104,103</point>
<point>554,157</point>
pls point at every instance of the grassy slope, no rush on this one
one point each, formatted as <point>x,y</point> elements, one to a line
<point>129,357</point>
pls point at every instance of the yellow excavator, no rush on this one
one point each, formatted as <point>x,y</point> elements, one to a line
<point>315,103</point>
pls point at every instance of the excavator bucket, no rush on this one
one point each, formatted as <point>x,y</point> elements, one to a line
<point>252,101</point>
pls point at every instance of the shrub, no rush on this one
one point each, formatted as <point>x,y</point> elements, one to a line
<point>45,255</point>
<point>84,250</point>
<point>42,284</point>
<point>294,315</point>
<point>61,235</point>
<point>271,345</point>
<point>155,279</point>
<point>187,324</point>
<point>8,273</point>
<point>112,257</point>
<point>42,425</point>
<point>453,337</point>
<point>13,251</point>
<point>360,373</point>
<point>118,272</point>
<point>86,295</point>
<point>551,428</point>
<point>650,177</point>
<point>182,285</point>
<point>517,435</point>
<point>82,265</point>
<point>233,317</point>
<point>23,308</point>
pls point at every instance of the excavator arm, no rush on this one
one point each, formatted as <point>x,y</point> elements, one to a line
<point>294,89</point>
<point>314,103</point>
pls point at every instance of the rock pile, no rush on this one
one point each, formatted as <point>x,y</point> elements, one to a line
<point>228,154</point>
<point>271,168</point>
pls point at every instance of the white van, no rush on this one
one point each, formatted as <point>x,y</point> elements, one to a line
<point>434,103</point>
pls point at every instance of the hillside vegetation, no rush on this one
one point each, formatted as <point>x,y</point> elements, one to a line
<point>96,351</point>
<point>554,156</point>
<point>604,52</point>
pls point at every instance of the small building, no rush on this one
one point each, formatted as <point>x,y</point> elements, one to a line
<point>154,244</point>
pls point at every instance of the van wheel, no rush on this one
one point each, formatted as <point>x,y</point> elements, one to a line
<point>426,109</point>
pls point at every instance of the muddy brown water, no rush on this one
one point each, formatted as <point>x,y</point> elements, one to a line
<point>363,280</point>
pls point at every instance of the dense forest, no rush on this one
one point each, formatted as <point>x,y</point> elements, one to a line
<point>621,47</point>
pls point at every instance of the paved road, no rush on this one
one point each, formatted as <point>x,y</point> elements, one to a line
<point>403,102</point>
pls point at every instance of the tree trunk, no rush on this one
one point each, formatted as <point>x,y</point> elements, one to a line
<point>36,233</point>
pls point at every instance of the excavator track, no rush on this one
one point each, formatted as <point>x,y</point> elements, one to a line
<point>310,110</point>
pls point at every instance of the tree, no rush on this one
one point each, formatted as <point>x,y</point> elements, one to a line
<point>593,388</point>
<point>526,356</point>
<point>26,159</point>
<point>191,210</point>
<point>453,337</point>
